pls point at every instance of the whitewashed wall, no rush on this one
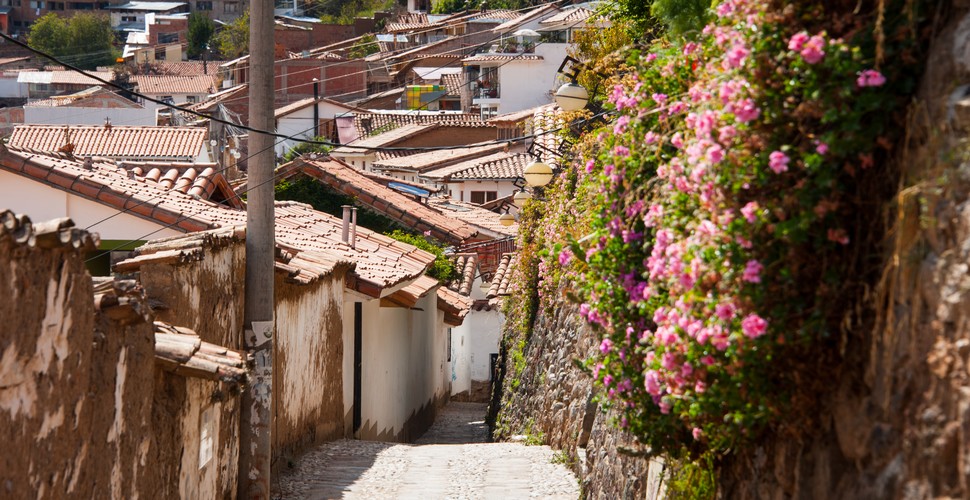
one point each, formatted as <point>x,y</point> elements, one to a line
<point>527,84</point>
<point>41,202</point>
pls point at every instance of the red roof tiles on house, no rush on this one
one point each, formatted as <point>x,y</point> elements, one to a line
<point>501,165</point>
<point>369,123</point>
<point>171,84</point>
<point>479,58</point>
<point>379,198</point>
<point>148,143</point>
<point>454,305</point>
<point>180,350</point>
<point>484,220</point>
<point>467,266</point>
<point>431,160</point>
<point>503,276</point>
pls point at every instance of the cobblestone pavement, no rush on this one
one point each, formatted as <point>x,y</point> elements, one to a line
<point>452,460</point>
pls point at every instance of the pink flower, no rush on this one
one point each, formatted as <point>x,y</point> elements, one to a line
<point>838,236</point>
<point>752,272</point>
<point>677,107</point>
<point>621,124</point>
<point>814,49</point>
<point>797,41</point>
<point>726,133</point>
<point>660,99</point>
<point>677,141</point>
<point>724,310</point>
<point>746,111</point>
<point>606,346</point>
<point>664,407</point>
<point>754,326</point>
<point>821,147</point>
<point>651,57</point>
<point>698,433</point>
<point>651,382</point>
<point>427,233</point>
<point>870,78</point>
<point>715,154</point>
<point>689,48</point>
<point>565,256</point>
<point>736,56</point>
<point>750,211</point>
<point>650,137</point>
<point>778,162</point>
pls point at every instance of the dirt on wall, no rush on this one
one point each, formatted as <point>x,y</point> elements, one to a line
<point>75,383</point>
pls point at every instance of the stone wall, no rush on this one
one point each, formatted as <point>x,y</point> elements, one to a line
<point>552,399</point>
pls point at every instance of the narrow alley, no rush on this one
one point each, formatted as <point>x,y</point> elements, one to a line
<point>452,460</point>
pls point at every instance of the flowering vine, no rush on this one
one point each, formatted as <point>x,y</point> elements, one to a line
<point>717,195</point>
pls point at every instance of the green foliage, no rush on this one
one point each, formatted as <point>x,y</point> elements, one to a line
<point>84,40</point>
<point>364,47</point>
<point>232,40</point>
<point>442,269</point>
<point>346,11</point>
<point>303,148</point>
<point>691,480</point>
<point>200,32</point>
<point>450,6</point>
<point>324,199</point>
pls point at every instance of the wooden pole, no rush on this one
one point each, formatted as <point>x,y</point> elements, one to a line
<point>255,453</point>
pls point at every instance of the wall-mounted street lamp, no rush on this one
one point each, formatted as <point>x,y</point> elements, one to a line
<point>507,219</point>
<point>520,197</point>
<point>538,174</point>
<point>572,97</point>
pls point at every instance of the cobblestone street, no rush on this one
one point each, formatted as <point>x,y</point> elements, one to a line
<point>452,460</point>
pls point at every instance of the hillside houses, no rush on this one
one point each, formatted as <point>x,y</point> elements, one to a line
<point>370,345</point>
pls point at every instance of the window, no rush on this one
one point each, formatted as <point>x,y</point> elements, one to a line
<point>231,7</point>
<point>160,54</point>
<point>129,19</point>
<point>489,111</point>
<point>191,99</point>
<point>36,5</point>
<point>203,5</point>
<point>168,37</point>
<point>480,197</point>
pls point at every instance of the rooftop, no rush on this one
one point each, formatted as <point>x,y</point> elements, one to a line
<point>174,84</point>
<point>485,220</point>
<point>430,160</point>
<point>499,165</point>
<point>128,142</point>
<point>503,277</point>
<point>397,206</point>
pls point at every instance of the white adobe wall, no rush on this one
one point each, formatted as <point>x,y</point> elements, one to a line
<point>41,202</point>
<point>541,77</point>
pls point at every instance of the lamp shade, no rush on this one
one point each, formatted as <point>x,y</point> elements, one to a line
<point>538,174</point>
<point>507,219</point>
<point>521,197</point>
<point>572,97</point>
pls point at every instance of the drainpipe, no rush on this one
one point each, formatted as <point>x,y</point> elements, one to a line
<point>316,108</point>
<point>353,228</point>
<point>344,236</point>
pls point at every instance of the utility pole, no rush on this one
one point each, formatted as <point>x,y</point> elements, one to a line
<point>255,453</point>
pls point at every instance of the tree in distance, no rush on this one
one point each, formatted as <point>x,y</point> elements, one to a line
<point>83,40</point>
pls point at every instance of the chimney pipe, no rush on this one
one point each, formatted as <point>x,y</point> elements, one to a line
<point>353,228</point>
<point>344,235</point>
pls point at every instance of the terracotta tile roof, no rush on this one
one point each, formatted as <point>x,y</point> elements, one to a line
<point>56,233</point>
<point>410,295</point>
<point>454,305</point>
<point>545,121</point>
<point>204,181</point>
<point>186,68</point>
<point>215,99</point>
<point>500,165</point>
<point>484,220</point>
<point>77,98</point>
<point>467,266</point>
<point>430,160</point>
<point>477,58</point>
<point>132,142</point>
<point>568,17</point>
<point>453,82</point>
<point>503,276</point>
<point>509,167</point>
<point>10,60</point>
<point>75,78</point>
<point>180,350</point>
<point>109,185</point>
<point>512,24</point>
<point>368,123</point>
<point>519,116</point>
<point>379,198</point>
<point>171,84</point>
<point>388,138</point>
<point>409,22</point>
